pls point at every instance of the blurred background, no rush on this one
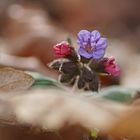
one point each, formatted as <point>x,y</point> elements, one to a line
<point>29,29</point>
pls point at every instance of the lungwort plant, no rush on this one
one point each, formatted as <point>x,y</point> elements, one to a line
<point>84,66</point>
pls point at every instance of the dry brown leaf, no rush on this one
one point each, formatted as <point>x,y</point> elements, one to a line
<point>54,109</point>
<point>51,109</point>
<point>14,80</point>
<point>128,125</point>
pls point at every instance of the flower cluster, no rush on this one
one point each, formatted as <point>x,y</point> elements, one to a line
<point>83,66</point>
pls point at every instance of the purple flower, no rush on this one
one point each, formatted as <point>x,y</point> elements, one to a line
<point>92,45</point>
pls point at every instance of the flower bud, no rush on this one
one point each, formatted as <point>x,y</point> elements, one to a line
<point>111,67</point>
<point>62,49</point>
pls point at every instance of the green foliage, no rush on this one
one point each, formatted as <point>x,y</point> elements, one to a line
<point>119,94</point>
<point>115,93</point>
<point>43,81</point>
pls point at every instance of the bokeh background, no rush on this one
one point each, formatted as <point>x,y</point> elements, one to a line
<point>29,29</point>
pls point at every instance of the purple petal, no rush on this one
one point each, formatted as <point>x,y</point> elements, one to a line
<point>102,43</point>
<point>95,35</point>
<point>83,37</point>
<point>83,53</point>
<point>98,54</point>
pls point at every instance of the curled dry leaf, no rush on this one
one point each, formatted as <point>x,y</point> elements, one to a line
<point>14,80</point>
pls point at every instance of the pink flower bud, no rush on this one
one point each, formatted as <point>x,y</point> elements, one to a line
<point>111,67</point>
<point>62,50</point>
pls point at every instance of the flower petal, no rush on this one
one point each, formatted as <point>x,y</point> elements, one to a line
<point>95,35</point>
<point>98,54</point>
<point>83,53</point>
<point>83,37</point>
<point>102,43</point>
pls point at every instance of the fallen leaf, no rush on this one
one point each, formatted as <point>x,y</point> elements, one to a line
<point>55,109</point>
<point>128,125</point>
<point>14,80</point>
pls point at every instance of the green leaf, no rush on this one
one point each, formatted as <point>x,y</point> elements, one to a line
<point>115,93</point>
<point>119,94</point>
<point>43,81</point>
